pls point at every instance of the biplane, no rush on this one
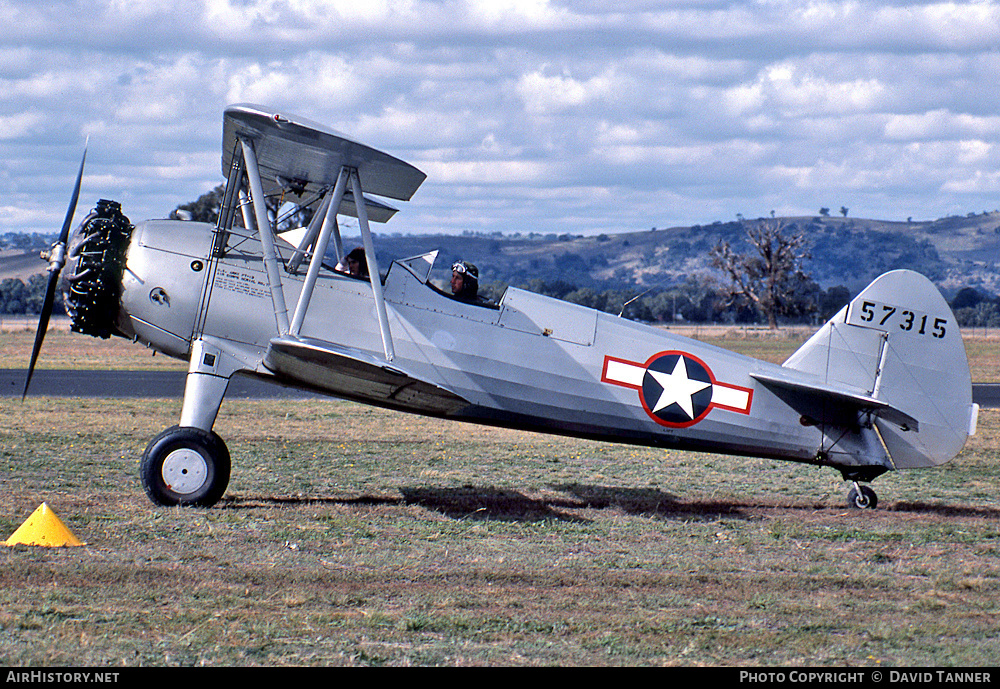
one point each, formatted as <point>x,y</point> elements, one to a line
<point>883,386</point>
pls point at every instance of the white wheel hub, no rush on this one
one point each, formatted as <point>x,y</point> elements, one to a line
<point>184,471</point>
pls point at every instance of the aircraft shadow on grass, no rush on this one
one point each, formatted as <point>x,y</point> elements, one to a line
<point>489,503</point>
<point>502,504</point>
<point>943,510</point>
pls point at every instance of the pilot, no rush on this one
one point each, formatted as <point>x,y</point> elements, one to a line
<point>355,264</point>
<point>465,282</point>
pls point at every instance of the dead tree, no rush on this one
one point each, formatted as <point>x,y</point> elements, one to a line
<point>770,275</point>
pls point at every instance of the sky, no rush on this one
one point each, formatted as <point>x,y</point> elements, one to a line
<point>549,116</point>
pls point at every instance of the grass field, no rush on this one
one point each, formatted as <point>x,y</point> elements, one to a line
<point>355,536</point>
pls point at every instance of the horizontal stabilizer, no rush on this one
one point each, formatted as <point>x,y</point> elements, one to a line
<point>860,400</point>
<point>354,374</point>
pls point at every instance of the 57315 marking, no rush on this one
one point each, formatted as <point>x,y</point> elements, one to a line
<point>873,314</point>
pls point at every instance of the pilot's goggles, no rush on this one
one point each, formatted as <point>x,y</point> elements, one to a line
<point>466,270</point>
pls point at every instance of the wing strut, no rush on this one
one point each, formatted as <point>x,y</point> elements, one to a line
<point>376,280</point>
<point>258,219</point>
<point>230,199</point>
<point>329,223</point>
<point>266,236</point>
<point>312,232</point>
<point>330,227</point>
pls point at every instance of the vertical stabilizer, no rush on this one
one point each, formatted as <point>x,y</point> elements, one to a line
<point>899,343</point>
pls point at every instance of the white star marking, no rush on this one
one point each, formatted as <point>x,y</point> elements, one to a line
<point>677,388</point>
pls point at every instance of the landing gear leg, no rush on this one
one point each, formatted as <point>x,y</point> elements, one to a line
<point>189,464</point>
<point>862,497</point>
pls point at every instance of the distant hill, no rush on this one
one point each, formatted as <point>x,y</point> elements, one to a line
<point>21,264</point>
<point>954,252</point>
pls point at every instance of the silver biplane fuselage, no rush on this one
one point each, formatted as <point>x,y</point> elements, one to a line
<point>884,385</point>
<point>529,362</point>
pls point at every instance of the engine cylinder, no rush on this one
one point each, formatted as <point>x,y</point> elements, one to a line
<point>96,262</point>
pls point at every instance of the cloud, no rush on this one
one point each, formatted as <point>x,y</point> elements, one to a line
<point>21,125</point>
<point>542,94</point>
<point>561,114</point>
<point>794,92</point>
<point>941,124</point>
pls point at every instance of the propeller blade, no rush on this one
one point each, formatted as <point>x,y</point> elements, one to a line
<point>57,259</point>
<point>43,325</point>
<point>64,235</point>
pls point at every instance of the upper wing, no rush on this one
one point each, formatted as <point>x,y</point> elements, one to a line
<point>294,153</point>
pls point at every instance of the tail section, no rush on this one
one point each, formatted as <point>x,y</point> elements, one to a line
<point>896,355</point>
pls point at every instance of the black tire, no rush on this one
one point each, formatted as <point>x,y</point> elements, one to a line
<point>185,466</point>
<point>862,498</point>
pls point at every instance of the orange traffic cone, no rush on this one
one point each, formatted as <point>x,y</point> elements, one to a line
<point>43,527</point>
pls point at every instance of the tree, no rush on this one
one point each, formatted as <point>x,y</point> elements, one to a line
<point>769,277</point>
<point>13,296</point>
<point>825,212</point>
<point>205,209</point>
<point>843,211</point>
<point>18,297</point>
<point>967,297</point>
<point>832,301</point>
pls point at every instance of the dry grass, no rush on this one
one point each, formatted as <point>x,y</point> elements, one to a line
<point>355,536</point>
<point>63,349</point>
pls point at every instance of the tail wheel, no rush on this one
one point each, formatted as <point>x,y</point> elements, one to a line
<point>862,497</point>
<point>185,466</point>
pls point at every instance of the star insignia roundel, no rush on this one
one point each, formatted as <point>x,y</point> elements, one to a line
<point>676,389</point>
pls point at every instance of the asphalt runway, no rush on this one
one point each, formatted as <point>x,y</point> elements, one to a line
<point>132,384</point>
<point>170,384</point>
<point>986,395</point>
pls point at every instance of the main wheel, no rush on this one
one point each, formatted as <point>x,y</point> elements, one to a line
<point>862,497</point>
<point>185,466</point>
